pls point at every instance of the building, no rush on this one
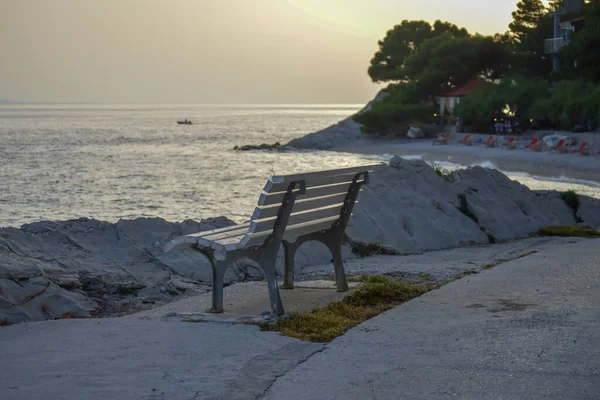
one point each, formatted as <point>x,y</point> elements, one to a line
<point>566,21</point>
<point>451,98</point>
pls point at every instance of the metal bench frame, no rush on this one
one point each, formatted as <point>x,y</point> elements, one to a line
<point>265,254</point>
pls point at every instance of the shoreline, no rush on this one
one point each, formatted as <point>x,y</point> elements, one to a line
<point>543,164</point>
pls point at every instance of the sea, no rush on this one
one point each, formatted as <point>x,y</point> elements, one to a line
<point>112,162</point>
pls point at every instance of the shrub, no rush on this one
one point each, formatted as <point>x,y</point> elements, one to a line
<point>569,231</point>
<point>398,109</point>
<point>444,173</point>
<point>362,249</point>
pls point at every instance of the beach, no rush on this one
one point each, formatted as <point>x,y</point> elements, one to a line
<point>544,164</point>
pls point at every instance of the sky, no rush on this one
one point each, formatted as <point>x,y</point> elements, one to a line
<point>210,51</point>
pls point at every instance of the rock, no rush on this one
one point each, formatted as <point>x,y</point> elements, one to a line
<point>264,146</point>
<point>588,212</point>
<point>52,269</point>
<point>338,134</point>
<point>66,269</point>
<point>409,208</point>
<point>415,133</point>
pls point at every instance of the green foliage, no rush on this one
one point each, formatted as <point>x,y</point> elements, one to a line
<point>444,173</point>
<point>514,96</point>
<point>362,249</point>
<point>571,198</point>
<point>400,42</point>
<point>569,231</point>
<point>399,108</point>
<point>465,209</point>
<point>323,324</point>
<point>491,238</point>
<point>448,61</point>
<point>532,24</point>
<point>574,102</point>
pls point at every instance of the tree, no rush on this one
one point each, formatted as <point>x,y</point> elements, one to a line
<point>401,42</point>
<point>447,61</point>
<point>532,24</point>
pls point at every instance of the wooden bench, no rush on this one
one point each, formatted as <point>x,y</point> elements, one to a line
<point>292,210</point>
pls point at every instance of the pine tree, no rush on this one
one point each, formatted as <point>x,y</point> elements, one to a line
<point>526,20</point>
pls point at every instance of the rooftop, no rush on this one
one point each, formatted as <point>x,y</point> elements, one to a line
<point>465,89</point>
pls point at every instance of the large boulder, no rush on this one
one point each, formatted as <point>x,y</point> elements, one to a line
<point>72,268</point>
<point>408,207</point>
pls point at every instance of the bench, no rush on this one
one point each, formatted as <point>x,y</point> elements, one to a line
<point>292,210</point>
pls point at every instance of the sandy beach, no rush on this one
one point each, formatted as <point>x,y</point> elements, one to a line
<point>544,163</point>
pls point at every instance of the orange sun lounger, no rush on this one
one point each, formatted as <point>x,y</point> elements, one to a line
<point>491,141</point>
<point>535,144</point>
<point>467,140</point>
<point>560,146</point>
<point>584,149</point>
<point>441,139</point>
<point>512,142</point>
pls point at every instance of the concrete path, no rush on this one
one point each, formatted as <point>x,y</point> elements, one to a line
<point>528,329</point>
<point>128,358</point>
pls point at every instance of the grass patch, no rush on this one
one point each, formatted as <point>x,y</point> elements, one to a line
<point>569,231</point>
<point>466,273</point>
<point>492,265</point>
<point>465,209</point>
<point>527,253</point>
<point>376,295</point>
<point>444,173</point>
<point>571,198</point>
<point>362,249</point>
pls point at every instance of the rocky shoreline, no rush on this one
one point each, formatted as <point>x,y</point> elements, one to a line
<point>85,267</point>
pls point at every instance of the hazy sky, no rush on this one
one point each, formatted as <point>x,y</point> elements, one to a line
<point>209,51</point>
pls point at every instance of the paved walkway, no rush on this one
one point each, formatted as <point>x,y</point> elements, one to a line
<point>526,329</point>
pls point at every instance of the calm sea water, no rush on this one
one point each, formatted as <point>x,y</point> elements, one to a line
<point>110,162</point>
<point>124,161</point>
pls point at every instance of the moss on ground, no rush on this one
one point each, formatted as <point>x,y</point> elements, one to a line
<point>376,295</point>
<point>363,249</point>
<point>569,231</point>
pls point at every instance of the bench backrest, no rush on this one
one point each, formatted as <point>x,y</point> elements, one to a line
<point>314,210</point>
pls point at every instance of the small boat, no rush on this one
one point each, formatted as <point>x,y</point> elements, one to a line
<point>184,122</point>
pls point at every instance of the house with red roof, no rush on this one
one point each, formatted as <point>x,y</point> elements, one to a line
<point>450,98</point>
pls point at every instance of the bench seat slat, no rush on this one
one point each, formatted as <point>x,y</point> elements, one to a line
<point>299,206</point>
<point>296,218</point>
<point>292,231</point>
<point>319,174</point>
<point>193,239</point>
<point>220,230</point>
<point>267,199</point>
<point>207,241</point>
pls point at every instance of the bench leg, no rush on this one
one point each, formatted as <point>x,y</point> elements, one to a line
<point>338,264</point>
<point>218,270</point>
<point>289,251</point>
<point>274,297</point>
